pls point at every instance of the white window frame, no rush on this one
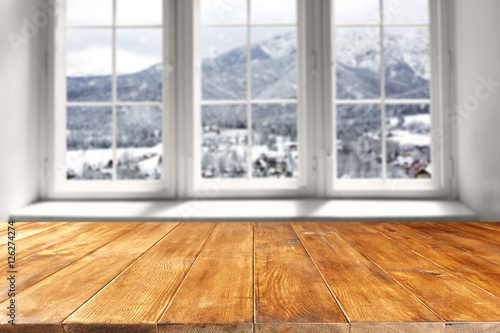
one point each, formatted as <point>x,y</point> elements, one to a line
<point>439,186</point>
<point>181,118</point>
<point>195,185</point>
<point>59,186</point>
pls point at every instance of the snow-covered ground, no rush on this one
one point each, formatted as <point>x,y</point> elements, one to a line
<point>407,138</point>
<point>146,159</point>
<point>225,154</point>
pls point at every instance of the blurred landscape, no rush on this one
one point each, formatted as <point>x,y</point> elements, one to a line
<point>274,150</point>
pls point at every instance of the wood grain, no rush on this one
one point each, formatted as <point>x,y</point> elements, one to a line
<point>219,287</point>
<point>142,292</point>
<point>472,328</point>
<point>381,304</point>
<point>288,288</point>
<point>487,225</point>
<point>45,239</point>
<point>53,299</point>
<point>206,328</point>
<point>397,328</point>
<point>300,328</point>
<point>48,261</point>
<point>444,293</point>
<point>489,234</point>
<point>466,241</point>
<point>4,230</point>
<point>479,271</point>
<point>105,328</point>
<point>28,229</point>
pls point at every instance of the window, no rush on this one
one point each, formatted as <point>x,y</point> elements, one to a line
<point>249,98</point>
<point>248,113</point>
<point>115,100</point>
<point>386,96</point>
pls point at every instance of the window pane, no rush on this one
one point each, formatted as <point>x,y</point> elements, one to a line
<point>89,65</point>
<point>224,66</point>
<point>275,11</point>
<point>357,54</point>
<point>224,141</point>
<point>359,148</point>
<point>139,142</point>
<point>88,140</point>
<point>406,11</point>
<point>357,11</point>
<point>139,65</point>
<point>144,12</point>
<point>89,12</point>
<point>408,141</point>
<point>407,63</point>
<point>275,141</point>
<point>274,63</point>
<point>223,11</point>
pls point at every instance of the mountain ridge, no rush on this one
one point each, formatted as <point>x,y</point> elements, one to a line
<point>274,71</point>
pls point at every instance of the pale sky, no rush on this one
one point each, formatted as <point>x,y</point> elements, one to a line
<point>99,12</point>
<point>235,11</point>
<point>368,11</point>
<point>216,40</point>
<point>89,50</point>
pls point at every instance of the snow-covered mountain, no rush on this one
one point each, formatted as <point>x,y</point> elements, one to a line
<point>274,70</point>
<point>406,60</point>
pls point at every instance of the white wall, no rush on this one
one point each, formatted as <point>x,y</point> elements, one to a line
<point>477,49</point>
<point>19,110</point>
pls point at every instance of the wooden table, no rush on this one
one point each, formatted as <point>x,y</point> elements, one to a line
<point>246,277</point>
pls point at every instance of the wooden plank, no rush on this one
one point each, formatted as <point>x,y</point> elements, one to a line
<point>472,328</point>
<point>29,229</point>
<point>368,267</point>
<point>479,271</point>
<point>208,328</point>
<point>493,225</point>
<point>491,235</point>
<point>4,226</point>
<point>397,327</point>
<point>46,262</point>
<point>486,225</point>
<point>300,328</point>
<point>474,244</point>
<point>382,304</point>
<point>447,295</point>
<point>219,287</point>
<point>45,239</point>
<point>288,288</point>
<point>48,302</point>
<point>142,292</point>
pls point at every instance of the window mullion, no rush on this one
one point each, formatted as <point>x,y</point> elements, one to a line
<point>166,115</point>
<point>382,93</point>
<point>114,86</point>
<point>249,89</point>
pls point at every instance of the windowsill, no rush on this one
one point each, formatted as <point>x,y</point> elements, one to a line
<point>247,210</point>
